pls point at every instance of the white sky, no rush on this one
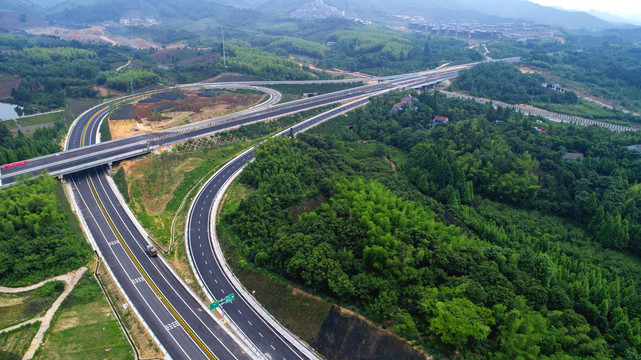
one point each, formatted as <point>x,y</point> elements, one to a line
<point>618,7</point>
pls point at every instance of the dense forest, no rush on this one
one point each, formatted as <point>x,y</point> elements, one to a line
<point>20,147</point>
<point>36,241</point>
<point>381,51</point>
<point>481,241</point>
<point>53,70</point>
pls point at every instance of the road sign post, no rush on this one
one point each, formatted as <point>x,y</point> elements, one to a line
<point>214,305</point>
<point>229,298</point>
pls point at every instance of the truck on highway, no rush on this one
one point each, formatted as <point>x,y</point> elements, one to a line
<point>151,250</point>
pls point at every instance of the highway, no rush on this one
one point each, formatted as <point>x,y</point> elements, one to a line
<point>184,327</point>
<point>92,155</point>
<point>181,324</point>
<point>271,338</point>
<point>556,117</point>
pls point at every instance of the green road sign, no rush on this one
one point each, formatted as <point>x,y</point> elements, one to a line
<point>229,298</point>
<point>214,305</point>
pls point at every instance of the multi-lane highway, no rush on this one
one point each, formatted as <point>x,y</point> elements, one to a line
<point>208,263</point>
<point>184,327</point>
<point>177,318</point>
<point>91,155</point>
<point>179,321</point>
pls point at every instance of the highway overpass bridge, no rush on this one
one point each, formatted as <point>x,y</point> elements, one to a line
<point>87,157</point>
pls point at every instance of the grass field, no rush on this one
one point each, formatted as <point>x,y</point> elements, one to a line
<point>14,344</point>
<point>10,124</point>
<point>164,173</point>
<point>297,310</point>
<point>293,92</point>
<point>20,307</point>
<point>84,328</point>
<point>41,119</point>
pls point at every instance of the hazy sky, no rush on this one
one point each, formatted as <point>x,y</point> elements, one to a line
<point>618,7</point>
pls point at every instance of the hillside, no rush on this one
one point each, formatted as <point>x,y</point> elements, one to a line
<point>235,12</point>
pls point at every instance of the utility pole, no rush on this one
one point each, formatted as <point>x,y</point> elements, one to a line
<point>224,55</point>
<point>131,81</point>
<point>532,99</point>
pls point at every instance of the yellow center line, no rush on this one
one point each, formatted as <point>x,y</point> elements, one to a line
<point>160,295</point>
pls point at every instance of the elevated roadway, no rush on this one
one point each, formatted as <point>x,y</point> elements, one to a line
<point>178,320</point>
<point>92,155</point>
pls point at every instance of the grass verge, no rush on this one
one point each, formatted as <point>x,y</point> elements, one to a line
<point>41,119</point>
<point>20,307</point>
<point>590,110</point>
<point>64,206</point>
<point>14,344</point>
<point>84,328</point>
<point>293,92</point>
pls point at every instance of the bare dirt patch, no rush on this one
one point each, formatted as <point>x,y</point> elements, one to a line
<point>145,116</point>
<point>7,300</point>
<point>527,70</point>
<point>124,128</point>
<point>93,34</point>
<point>345,335</point>
<point>104,91</point>
<point>306,206</point>
<point>69,321</point>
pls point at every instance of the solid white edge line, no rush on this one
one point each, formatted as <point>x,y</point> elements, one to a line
<point>141,250</point>
<point>73,200</point>
<point>293,339</point>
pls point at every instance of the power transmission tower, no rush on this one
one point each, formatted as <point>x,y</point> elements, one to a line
<point>224,55</point>
<point>131,81</point>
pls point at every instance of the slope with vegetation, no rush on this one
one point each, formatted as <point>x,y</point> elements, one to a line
<point>504,82</point>
<point>485,242</point>
<point>606,64</point>
<point>36,241</point>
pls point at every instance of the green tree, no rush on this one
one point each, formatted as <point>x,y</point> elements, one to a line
<point>459,319</point>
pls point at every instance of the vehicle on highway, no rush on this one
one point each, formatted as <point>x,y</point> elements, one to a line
<point>151,250</point>
<point>13,164</point>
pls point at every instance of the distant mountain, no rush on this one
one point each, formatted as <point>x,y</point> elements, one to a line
<point>22,7</point>
<point>615,19</point>
<point>228,11</point>
<point>521,10</point>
